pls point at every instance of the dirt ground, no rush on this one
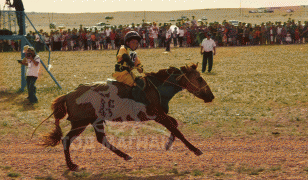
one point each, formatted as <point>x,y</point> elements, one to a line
<point>223,158</point>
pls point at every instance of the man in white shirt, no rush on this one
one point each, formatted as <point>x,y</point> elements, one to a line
<point>168,37</point>
<point>33,62</point>
<point>108,40</point>
<point>208,50</point>
<point>181,36</point>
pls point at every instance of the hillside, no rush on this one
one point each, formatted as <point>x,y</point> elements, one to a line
<point>73,20</point>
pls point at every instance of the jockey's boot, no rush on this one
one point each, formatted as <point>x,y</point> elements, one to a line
<point>137,92</point>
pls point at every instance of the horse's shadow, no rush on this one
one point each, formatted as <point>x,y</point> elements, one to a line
<point>102,176</point>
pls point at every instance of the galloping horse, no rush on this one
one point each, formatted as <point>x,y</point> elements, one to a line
<point>112,101</point>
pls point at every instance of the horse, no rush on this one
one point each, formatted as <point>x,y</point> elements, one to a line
<point>113,101</point>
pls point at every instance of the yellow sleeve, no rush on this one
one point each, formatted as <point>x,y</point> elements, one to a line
<point>120,53</point>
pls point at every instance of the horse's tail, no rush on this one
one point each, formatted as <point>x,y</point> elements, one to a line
<point>59,111</point>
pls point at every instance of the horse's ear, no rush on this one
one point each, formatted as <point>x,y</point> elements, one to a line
<point>194,66</point>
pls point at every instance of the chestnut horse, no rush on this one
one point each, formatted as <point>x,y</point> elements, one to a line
<point>112,101</point>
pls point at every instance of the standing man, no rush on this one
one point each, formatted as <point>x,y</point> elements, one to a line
<point>208,50</point>
<point>33,62</point>
<point>181,36</point>
<point>18,5</point>
<point>168,38</point>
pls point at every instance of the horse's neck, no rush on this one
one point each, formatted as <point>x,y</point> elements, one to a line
<point>166,84</point>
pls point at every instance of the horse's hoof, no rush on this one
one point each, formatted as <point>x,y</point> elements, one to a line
<point>127,158</point>
<point>198,152</point>
<point>73,167</point>
<point>167,146</point>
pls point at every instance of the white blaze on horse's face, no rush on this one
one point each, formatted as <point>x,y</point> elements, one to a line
<point>109,106</point>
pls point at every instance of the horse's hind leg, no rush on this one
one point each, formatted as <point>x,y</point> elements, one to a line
<point>77,128</point>
<point>101,138</point>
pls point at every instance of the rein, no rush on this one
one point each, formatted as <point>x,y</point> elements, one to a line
<point>198,91</point>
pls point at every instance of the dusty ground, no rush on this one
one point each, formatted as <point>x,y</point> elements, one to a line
<point>223,158</point>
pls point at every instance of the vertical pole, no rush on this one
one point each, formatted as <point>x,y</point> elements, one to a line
<point>22,45</point>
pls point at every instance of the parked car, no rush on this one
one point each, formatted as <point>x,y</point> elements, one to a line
<point>234,22</point>
<point>269,11</point>
<point>108,17</point>
<point>290,10</point>
<point>252,11</point>
<point>204,18</point>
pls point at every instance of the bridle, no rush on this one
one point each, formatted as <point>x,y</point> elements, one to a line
<point>197,90</point>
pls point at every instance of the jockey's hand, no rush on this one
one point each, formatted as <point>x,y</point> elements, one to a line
<point>140,70</point>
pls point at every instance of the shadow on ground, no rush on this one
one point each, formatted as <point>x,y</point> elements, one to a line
<point>74,176</point>
<point>15,99</point>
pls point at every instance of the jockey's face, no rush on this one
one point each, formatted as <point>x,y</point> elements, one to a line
<point>133,44</point>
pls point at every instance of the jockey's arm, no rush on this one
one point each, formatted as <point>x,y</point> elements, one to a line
<point>126,58</point>
<point>139,68</point>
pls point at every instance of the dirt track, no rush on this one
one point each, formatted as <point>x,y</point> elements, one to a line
<point>223,158</point>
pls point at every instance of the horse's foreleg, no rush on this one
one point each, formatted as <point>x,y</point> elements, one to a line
<point>66,141</point>
<point>169,143</point>
<point>172,136</point>
<point>168,122</point>
<point>101,138</point>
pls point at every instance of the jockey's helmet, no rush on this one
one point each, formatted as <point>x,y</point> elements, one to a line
<point>132,35</point>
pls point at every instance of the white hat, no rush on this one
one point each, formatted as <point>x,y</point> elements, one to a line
<point>26,48</point>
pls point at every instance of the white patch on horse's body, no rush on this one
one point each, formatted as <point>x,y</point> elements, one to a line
<point>109,106</point>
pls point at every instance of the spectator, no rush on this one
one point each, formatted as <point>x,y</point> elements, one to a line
<point>112,38</point>
<point>181,36</point>
<point>18,5</point>
<point>175,37</point>
<point>168,37</point>
<point>108,40</point>
<point>208,50</point>
<point>305,32</point>
<point>33,62</point>
<point>89,41</point>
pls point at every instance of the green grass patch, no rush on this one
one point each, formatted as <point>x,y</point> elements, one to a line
<point>13,174</point>
<point>82,174</point>
<point>44,178</point>
<point>275,168</point>
<point>196,172</point>
<point>6,167</point>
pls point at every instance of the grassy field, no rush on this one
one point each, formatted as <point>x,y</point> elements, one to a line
<point>253,86</point>
<point>260,92</point>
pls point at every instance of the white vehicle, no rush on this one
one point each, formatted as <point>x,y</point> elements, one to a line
<point>290,10</point>
<point>234,22</point>
<point>204,18</point>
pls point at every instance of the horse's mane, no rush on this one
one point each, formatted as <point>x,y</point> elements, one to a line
<point>165,73</point>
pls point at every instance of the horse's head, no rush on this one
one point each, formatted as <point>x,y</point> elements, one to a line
<point>194,83</point>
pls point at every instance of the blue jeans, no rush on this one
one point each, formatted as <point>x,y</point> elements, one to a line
<point>20,21</point>
<point>31,88</point>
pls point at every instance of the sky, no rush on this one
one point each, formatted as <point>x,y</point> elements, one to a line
<point>82,6</point>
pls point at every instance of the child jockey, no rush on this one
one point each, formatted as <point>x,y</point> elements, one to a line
<point>127,59</point>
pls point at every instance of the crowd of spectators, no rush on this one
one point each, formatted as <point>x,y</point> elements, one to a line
<point>187,34</point>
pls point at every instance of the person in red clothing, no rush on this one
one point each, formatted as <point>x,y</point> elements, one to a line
<point>84,39</point>
<point>297,35</point>
<point>93,40</point>
<point>112,38</point>
<point>188,38</point>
